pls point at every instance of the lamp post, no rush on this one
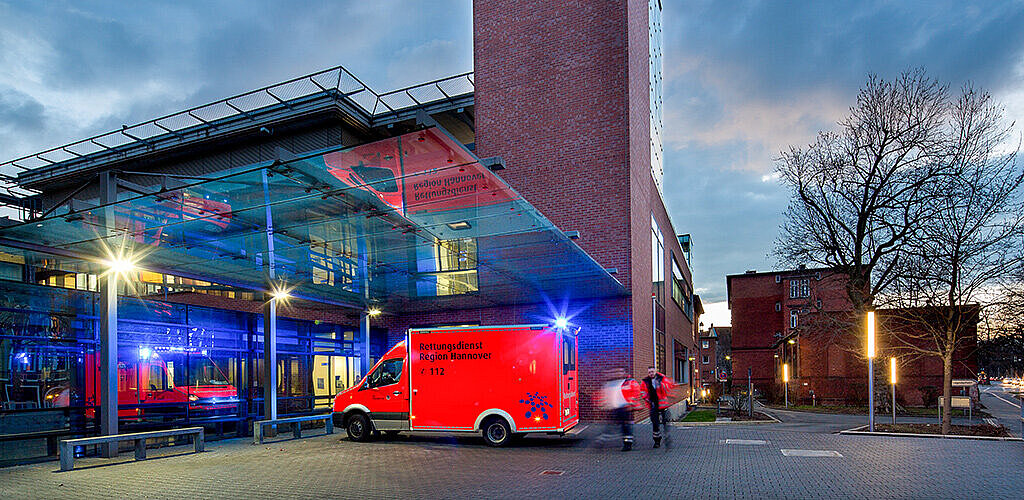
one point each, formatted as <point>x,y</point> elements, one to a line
<point>892,382</point>
<point>785,380</point>
<point>871,371</point>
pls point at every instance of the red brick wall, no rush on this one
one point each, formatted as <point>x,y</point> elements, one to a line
<point>551,99</point>
<point>562,95</point>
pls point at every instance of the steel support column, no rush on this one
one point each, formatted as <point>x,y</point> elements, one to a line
<point>108,329</point>
<point>364,333</point>
<point>871,394</point>
<point>270,359</point>
<point>269,316</point>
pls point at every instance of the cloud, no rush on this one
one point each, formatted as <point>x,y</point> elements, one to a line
<point>90,68</point>
<point>716,313</point>
<point>745,80</point>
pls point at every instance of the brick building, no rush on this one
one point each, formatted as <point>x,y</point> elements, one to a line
<point>801,317</point>
<point>707,358</point>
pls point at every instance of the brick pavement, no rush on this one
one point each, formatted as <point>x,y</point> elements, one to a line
<point>700,465</point>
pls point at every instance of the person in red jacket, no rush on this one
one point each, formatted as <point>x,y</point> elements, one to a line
<point>618,396</point>
<point>657,389</point>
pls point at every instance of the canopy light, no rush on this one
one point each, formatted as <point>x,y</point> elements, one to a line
<point>458,226</point>
<point>871,334</point>
<point>120,265</point>
<point>373,311</point>
<point>791,341</point>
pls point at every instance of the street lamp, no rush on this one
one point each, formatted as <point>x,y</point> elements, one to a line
<point>871,371</point>
<point>892,382</point>
<point>785,380</point>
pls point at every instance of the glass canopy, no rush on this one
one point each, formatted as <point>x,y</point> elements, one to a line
<point>411,223</point>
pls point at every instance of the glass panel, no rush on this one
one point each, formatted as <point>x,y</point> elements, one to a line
<point>340,218</point>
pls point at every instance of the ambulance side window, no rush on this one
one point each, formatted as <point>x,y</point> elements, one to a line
<point>568,355</point>
<point>389,372</point>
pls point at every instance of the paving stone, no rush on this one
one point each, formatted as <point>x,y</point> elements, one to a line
<point>698,465</point>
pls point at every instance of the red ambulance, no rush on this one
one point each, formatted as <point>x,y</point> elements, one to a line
<point>501,381</point>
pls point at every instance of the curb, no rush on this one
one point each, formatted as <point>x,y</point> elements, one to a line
<point>858,432</point>
<point>730,422</point>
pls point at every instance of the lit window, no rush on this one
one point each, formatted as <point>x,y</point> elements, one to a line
<point>794,319</point>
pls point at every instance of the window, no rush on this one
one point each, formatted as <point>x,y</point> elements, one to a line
<point>704,359</point>
<point>682,363</point>
<point>386,374</point>
<point>704,344</point>
<point>654,47</point>
<point>778,278</point>
<point>817,303</point>
<point>778,306</point>
<point>157,378</point>
<point>568,355</point>
<point>681,290</point>
<point>799,288</point>
<point>658,292</point>
<point>794,319</point>
<point>446,267</point>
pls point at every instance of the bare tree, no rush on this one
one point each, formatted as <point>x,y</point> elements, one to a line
<point>970,243</point>
<point>858,192</point>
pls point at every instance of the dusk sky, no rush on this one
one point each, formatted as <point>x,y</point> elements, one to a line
<point>743,80</point>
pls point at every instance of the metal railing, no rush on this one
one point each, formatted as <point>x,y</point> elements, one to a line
<point>336,82</point>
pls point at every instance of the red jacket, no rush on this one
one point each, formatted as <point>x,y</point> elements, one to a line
<point>664,391</point>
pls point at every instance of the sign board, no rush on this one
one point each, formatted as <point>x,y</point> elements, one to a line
<point>960,401</point>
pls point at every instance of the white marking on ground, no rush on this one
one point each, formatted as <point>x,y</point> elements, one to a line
<point>811,453</point>
<point>743,441</point>
<point>991,421</point>
<point>1004,399</point>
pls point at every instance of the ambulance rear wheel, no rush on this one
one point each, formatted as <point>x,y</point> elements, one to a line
<point>497,432</point>
<point>358,428</point>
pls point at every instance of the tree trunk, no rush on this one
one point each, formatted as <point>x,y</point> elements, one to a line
<point>947,391</point>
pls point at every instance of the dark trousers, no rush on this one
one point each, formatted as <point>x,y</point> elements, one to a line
<point>659,420</point>
<point>623,418</point>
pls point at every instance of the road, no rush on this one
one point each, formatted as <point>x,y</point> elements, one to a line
<point>1004,405</point>
<point>719,461</point>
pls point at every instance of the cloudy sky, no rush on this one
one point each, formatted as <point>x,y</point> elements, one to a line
<point>742,79</point>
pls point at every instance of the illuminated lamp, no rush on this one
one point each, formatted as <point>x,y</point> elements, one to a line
<point>458,226</point>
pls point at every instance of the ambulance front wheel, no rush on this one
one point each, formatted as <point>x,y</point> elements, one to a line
<point>358,428</point>
<point>497,432</point>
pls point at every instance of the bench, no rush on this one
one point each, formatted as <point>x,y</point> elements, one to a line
<point>258,426</point>
<point>67,446</point>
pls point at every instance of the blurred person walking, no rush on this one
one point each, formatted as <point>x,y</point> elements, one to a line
<point>657,390</point>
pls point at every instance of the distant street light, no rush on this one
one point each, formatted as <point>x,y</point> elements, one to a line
<point>785,380</point>
<point>871,371</point>
<point>892,382</point>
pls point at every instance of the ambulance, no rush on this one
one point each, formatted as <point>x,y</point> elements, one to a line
<point>500,381</point>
